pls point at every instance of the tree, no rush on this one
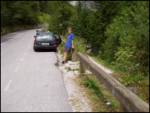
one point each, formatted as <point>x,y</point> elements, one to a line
<point>61,17</point>
<point>131,29</point>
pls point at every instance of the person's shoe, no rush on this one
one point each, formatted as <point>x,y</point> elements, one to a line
<point>63,62</point>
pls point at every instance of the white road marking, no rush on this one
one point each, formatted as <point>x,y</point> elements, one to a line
<point>8,85</point>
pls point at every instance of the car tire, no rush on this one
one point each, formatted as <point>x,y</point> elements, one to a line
<point>55,50</point>
<point>35,49</point>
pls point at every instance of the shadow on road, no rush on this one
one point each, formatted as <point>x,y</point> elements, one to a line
<point>7,37</point>
<point>46,50</point>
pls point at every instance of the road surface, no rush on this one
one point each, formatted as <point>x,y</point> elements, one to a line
<point>30,81</point>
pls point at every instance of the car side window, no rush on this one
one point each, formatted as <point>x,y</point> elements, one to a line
<point>56,36</point>
<point>58,39</point>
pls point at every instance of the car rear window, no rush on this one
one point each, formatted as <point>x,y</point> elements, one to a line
<point>45,37</point>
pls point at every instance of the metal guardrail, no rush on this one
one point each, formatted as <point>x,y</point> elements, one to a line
<point>129,101</point>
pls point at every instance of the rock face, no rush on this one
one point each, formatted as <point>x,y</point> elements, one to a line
<point>70,72</point>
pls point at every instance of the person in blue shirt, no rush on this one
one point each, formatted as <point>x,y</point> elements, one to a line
<point>68,44</point>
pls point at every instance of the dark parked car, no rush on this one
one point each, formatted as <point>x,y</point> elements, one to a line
<point>46,40</point>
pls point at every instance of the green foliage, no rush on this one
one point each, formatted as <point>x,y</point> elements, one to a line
<point>19,12</point>
<point>110,48</point>
<point>91,84</point>
<point>130,80</point>
<point>60,17</point>
<point>99,94</point>
<point>91,24</point>
<point>44,19</point>
<point>117,32</point>
<point>128,38</point>
<point>80,44</point>
<point>125,60</point>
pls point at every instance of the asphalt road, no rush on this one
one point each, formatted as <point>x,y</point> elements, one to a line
<point>30,81</point>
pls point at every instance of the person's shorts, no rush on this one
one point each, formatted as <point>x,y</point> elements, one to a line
<point>67,49</point>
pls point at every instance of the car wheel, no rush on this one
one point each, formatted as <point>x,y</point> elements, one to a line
<point>55,50</point>
<point>35,49</point>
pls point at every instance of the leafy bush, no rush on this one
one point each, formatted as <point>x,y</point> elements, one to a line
<point>44,19</point>
<point>80,44</point>
<point>132,79</point>
<point>128,38</point>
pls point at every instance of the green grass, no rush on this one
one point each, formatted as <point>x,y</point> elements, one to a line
<point>106,64</point>
<point>98,94</point>
<point>124,77</point>
<point>92,85</point>
<point>132,79</point>
<point>139,81</point>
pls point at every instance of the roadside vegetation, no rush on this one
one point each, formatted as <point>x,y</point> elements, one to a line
<point>119,39</point>
<point>18,15</point>
<point>114,33</point>
<point>137,83</point>
<point>100,98</point>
